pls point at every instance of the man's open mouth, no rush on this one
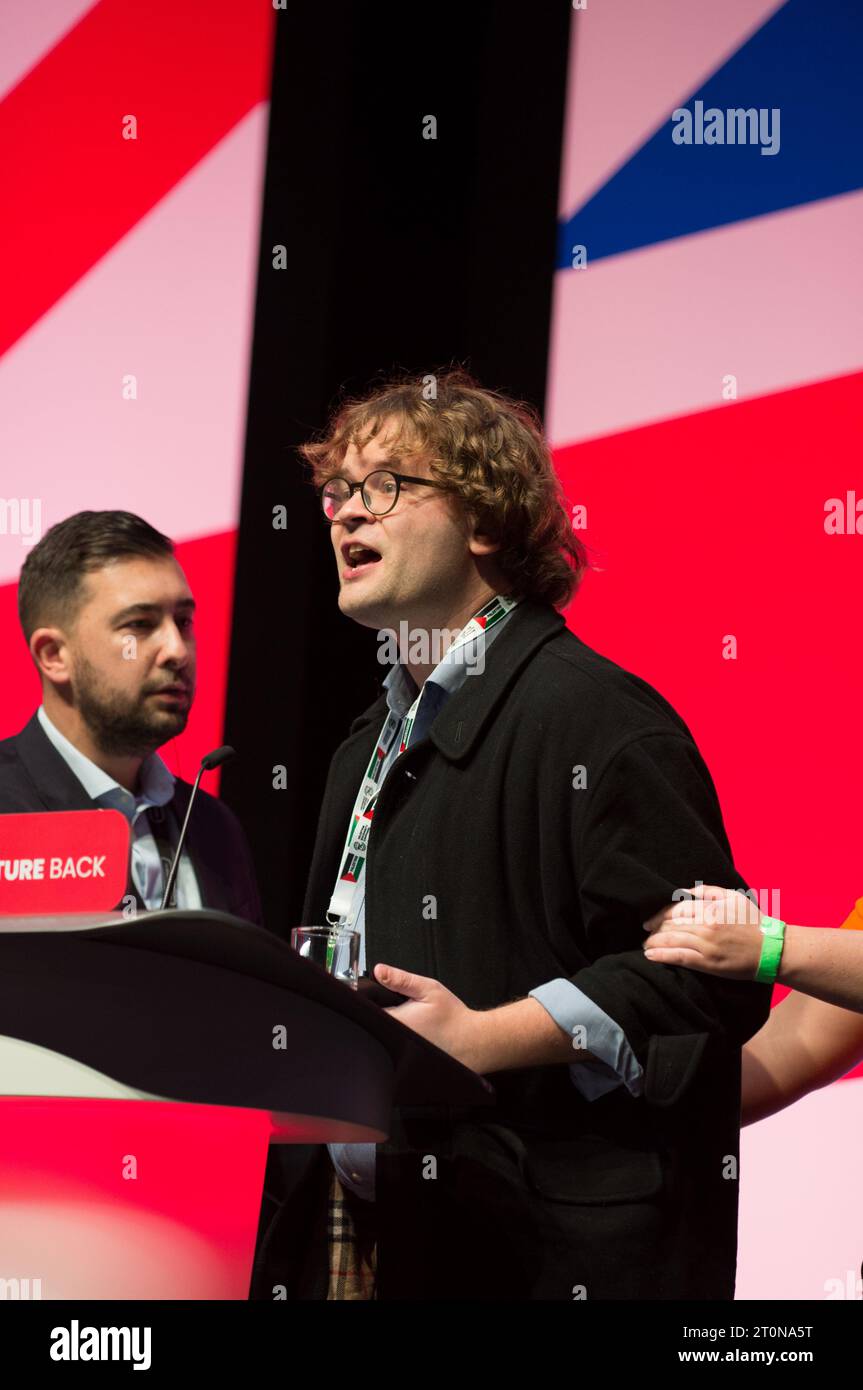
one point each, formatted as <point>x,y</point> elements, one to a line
<point>356,555</point>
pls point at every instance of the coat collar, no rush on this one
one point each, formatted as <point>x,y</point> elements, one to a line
<point>466,713</point>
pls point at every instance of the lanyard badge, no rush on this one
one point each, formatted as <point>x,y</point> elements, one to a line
<point>340,911</point>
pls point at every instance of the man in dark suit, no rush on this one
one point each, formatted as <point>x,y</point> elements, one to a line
<point>108,615</point>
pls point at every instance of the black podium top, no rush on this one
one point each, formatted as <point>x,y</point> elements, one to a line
<point>199,1006</point>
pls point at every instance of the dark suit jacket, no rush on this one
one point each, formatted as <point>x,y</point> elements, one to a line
<point>34,777</point>
<point>493,867</point>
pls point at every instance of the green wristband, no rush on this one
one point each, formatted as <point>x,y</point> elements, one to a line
<point>771,950</point>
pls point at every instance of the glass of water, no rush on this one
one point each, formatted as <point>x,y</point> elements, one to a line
<point>336,949</point>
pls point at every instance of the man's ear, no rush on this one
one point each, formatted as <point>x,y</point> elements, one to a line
<point>482,542</point>
<point>49,649</point>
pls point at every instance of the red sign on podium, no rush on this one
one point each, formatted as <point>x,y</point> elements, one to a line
<point>63,861</point>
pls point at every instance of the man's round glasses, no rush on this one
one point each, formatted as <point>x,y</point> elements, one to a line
<point>380,491</point>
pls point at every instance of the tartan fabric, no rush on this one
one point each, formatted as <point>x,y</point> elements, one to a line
<point>351,1247</point>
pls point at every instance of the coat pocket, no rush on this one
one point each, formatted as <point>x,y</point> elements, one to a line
<point>592,1171</point>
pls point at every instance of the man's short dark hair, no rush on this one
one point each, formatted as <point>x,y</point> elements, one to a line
<point>51,580</point>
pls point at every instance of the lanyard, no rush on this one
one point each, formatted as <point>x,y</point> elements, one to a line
<point>359,827</point>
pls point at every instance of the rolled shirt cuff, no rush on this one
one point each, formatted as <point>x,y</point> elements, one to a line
<point>613,1063</point>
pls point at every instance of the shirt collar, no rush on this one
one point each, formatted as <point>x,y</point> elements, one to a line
<point>156,780</point>
<point>449,674</point>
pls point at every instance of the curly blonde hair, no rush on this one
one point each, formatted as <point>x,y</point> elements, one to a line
<point>487,449</point>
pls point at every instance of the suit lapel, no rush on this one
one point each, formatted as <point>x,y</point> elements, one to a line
<point>59,790</point>
<point>55,782</point>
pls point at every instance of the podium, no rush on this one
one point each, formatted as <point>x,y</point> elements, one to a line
<point>146,1064</point>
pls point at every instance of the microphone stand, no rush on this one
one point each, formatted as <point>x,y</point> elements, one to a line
<point>208,763</point>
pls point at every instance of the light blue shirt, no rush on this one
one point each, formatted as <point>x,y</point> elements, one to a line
<point>612,1062</point>
<point>157,790</point>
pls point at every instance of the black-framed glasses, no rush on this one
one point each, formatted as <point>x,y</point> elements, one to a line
<point>380,491</point>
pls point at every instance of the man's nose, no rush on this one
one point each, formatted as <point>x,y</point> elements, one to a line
<point>354,509</point>
<point>176,650</point>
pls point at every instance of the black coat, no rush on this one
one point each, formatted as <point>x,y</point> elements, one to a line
<point>34,777</point>
<point>490,871</point>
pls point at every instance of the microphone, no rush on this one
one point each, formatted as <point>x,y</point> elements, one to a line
<point>208,763</point>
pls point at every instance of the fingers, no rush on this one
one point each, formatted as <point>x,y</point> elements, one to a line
<point>678,956</point>
<point>709,906</point>
<point>673,940</point>
<point>679,912</point>
<point>402,981</point>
